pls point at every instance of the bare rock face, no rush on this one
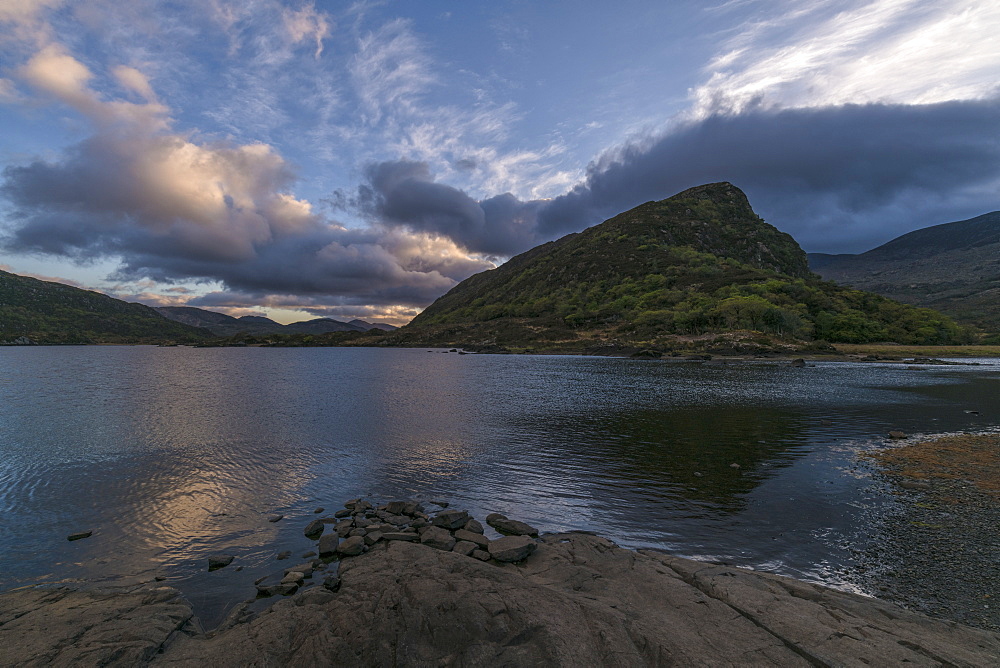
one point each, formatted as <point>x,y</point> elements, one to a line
<point>578,600</point>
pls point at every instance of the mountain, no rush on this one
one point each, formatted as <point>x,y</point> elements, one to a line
<point>954,268</point>
<point>699,263</point>
<point>373,325</point>
<point>221,324</point>
<point>48,312</point>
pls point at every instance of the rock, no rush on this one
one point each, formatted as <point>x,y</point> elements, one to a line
<point>512,548</point>
<point>308,555</point>
<point>217,561</point>
<point>373,537</point>
<point>342,513</point>
<point>481,555</point>
<point>897,435</point>
<point>319,510</point>
<point>293,577</point>
<point>79,535</point>
<point>734,466</point>
<point>511,527</point>
<point>698,474</point>
<point>314,529</point>
<point>328,544</point>
<point>357,532</point>
<point>412,508</point>
<point>332,582</point>
<point>915,484</point>
<point>450,519</point>
<point>362,522</point>
<point>474,526</point>
<point>284,555</point>
<point>275,518</point>
<point>351,547</point>
<point>579,601</point>
<point>395,507</point>
<point>344,528</point>
<point>440,504</point>
<point>493,517</point>
<point>798,363</point>
<point>305,568</point>
<point>437,538</point>
<point>464,547</point>
<point>419,522</point>
<point>475,538</point>
<point>400,535</point>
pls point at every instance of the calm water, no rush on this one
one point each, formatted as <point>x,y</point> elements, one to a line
<point>171,454</point>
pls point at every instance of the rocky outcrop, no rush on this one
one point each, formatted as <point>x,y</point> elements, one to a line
<point>577,600</point>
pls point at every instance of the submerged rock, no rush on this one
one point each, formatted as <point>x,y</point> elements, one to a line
<point>217,561</point>
<point>79,535</point>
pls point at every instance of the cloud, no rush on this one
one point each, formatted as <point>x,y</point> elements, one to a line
<point>173,209</point>
<point>405,195</point>
<point>837,178</point>
<point>307,24</point>
<point>855,51</point>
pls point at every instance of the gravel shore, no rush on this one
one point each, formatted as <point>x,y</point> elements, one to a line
<point>940,550</point>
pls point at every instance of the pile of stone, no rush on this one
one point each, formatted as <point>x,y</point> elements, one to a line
<point>361,527</point>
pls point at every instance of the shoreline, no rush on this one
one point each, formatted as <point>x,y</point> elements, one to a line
<point>421,596</point>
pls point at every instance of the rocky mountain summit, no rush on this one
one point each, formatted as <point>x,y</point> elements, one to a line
<point>411,592</point>
<point>700,263</point>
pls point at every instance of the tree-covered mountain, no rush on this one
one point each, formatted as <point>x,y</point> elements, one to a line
<point>698,263</point>
<point>954,268</point>
<point>47,312</point>
<point>221,324</point>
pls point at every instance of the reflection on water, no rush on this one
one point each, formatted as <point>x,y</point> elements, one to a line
<point>171,454</point>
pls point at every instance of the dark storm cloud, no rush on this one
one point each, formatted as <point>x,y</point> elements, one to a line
<point>404,194</point>
<point>837,178</point>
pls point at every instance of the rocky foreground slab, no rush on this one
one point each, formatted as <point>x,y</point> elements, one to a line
<point>576,600</point>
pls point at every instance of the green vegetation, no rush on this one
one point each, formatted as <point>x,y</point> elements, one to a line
<point>47,312</point>
<point>698,263</point>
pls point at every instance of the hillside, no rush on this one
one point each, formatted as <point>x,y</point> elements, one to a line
<point>698,263</point>
<point>47,312</point>
<point>954,268</point>
<point>221,324</point>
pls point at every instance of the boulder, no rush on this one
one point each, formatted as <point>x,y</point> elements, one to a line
<point>477,538</point>
<point>314,529</point>
<point>293,577</point>
<point>332,582</point>
<point>340,514</point>
<point>798,363</point>
<point>474,526</point>
<point>464,547</point>
<point>343,528</point>
<point>373,537</point>
<point>437,538</point>
<point>275,518</point>
<point>511,527</point>
<point>512,548</point>
<point>400,535</point>
<point>351,547</point>
<point>328,544</point>
<point>305,568</point>
<point>481,555</point>
<point>450,519</point>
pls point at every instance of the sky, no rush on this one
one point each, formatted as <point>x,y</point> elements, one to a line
<point>303,159</point>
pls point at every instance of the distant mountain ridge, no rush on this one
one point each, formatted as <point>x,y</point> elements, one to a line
<point>697,263</point>
<point>952,267</point>
<point>221,324</point>
<point>50,312</point>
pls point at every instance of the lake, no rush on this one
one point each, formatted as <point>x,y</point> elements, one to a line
<point>172,454</point>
